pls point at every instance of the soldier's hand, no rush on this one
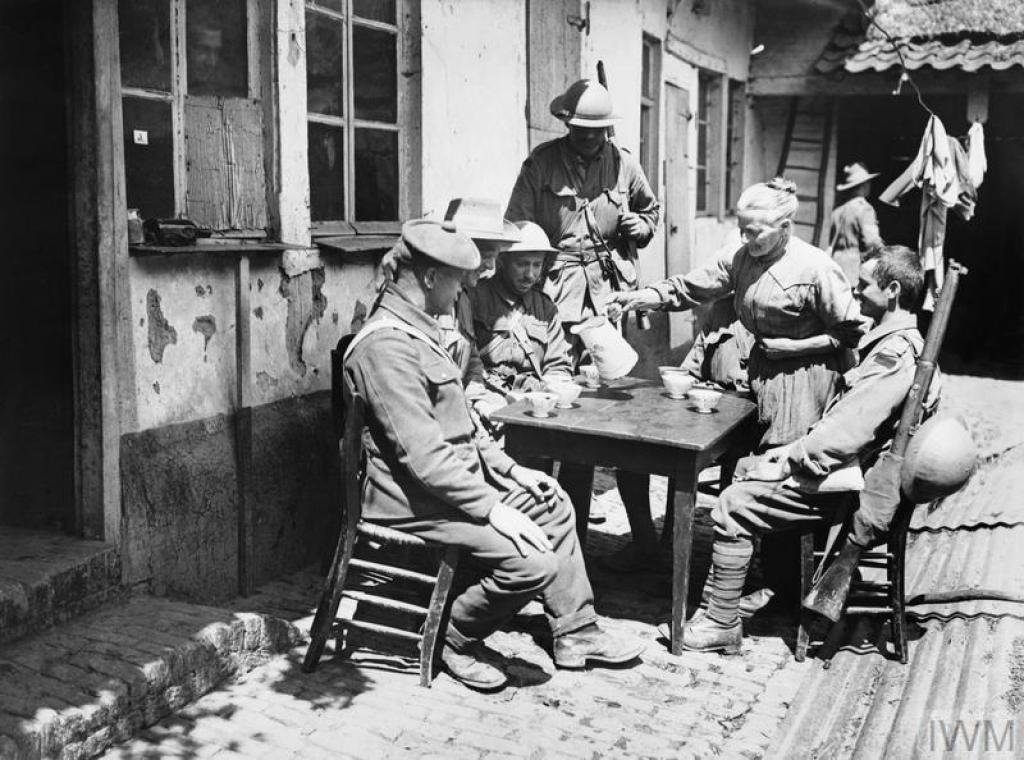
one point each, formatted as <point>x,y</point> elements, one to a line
<point>541,486</point>
<point>519,529</point>
<point>632,224</point>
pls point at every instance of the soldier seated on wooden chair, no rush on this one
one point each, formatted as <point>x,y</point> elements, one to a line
<point>808,480</point>
<point>429,474</point>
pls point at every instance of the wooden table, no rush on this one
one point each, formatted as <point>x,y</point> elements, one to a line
<point>632,424</point>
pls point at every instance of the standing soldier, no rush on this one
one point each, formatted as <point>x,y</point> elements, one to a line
<point>853,229</point>
<point>594,203</point>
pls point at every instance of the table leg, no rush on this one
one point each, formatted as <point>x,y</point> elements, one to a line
<point>684,503</point>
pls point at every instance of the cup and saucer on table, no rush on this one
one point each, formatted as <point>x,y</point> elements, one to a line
<point>677,381</point>
<point>540,403</point>
<point>705,400</point>
<point>566,391</point>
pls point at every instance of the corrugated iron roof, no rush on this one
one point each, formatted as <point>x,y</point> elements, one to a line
<point>866,706</point>
<point>992,497</point>
<point>987,562</point>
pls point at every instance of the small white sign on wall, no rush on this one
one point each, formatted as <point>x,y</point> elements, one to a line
<point>140,137</point>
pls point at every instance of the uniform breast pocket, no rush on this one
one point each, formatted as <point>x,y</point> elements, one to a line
<point>537,332</point>
<point>445,388</point>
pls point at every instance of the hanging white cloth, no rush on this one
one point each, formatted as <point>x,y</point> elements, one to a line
<point>977,163</point>
<point>934,171</point>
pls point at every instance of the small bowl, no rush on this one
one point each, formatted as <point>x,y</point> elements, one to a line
<point>677,383</point>
<point>566,391</point>
<point>705,399</point>
<point>541,403</point>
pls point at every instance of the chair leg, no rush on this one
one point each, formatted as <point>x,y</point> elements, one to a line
<point>330,599</point>
<point>806,573</point>
<point>436,615</point>
<point>897,580</point>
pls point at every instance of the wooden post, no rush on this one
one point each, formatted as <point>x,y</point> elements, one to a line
<point>243,429</point>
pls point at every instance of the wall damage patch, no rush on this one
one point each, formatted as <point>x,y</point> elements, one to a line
<point>306,302</point>
<point>161,333</point>
<point>205,326</point>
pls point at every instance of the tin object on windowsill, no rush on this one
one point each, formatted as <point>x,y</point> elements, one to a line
<point>135,233</point>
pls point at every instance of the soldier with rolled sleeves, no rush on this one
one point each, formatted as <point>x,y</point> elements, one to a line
<point>429,474</point>
<point>592,200</point>
<point>594,203</point>
<point>783,489</point>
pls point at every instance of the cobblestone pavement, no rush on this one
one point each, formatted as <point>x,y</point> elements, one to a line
<point>370,706</point>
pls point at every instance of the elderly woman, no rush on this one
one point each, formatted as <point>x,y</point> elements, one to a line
<point>790,295</point>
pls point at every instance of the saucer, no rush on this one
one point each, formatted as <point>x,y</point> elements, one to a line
<point>539,415</point>
<point>666,394</point>
<point>698,410</point>
<point>567,406</point>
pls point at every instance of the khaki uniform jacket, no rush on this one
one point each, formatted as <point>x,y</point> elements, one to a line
<point>519,337</point>
<point>423,457</point>
<point>861,421</point>
<point>554,187</point>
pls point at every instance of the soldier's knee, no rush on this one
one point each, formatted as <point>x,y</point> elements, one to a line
<point>537,570</point>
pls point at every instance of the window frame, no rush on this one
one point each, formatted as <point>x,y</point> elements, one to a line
<point>179,92</point>
<point>650,111</point>
<point>347,122</point>
<point>711,114</point>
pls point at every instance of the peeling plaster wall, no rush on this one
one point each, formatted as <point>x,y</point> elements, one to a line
<point>474,96</point>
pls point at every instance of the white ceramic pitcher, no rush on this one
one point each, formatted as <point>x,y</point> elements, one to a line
<point>612,355</point>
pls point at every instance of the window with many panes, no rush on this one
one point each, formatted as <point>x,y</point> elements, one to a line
<point>650,70</point>
<point>192,128</point>
<point>214,37</point>
<point>355,133</point>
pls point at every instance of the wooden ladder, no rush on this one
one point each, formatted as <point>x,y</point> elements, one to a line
<point>804,160</point>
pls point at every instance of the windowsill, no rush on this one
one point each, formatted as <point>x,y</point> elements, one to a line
<point>356,243</point>
<point>221,246</point>
<point>356,237</point>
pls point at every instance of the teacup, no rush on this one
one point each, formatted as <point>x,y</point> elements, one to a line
<point>705,399</point>
<point>566,391</point>
<point>541,403</point>
<point>677,383</point>
<point>591,377</point>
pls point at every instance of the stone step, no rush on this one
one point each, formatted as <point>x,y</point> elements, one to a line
<point>73,690</point>
<point>48,578</point>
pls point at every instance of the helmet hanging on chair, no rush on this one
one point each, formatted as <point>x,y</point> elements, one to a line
<point>939,460</point>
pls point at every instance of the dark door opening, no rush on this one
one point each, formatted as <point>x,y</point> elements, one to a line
<point>36,406</point>
<point>986,330</point>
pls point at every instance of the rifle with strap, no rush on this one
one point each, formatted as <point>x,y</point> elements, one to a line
<point>625,242</point>
<point>882,484</point>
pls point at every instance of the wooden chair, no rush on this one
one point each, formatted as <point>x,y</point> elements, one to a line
<point>867,597</point>
<point>349,416</point>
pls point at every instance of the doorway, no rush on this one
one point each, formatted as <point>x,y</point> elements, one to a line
<point>36,386</point>
<point>986,329</point>
<point>678,235</point>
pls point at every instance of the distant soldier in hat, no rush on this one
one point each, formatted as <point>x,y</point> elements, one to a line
<point>594,203</point>
<point>429,474</point>
<point>853,229</point>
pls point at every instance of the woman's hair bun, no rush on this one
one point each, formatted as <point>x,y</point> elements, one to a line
<point>782,184</point>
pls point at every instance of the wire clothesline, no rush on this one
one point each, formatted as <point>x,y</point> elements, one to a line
<point>905,72</point>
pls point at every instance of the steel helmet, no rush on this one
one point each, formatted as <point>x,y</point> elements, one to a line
<point>585,104</point>
<point>534,239</point>
<point>939,459</point>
